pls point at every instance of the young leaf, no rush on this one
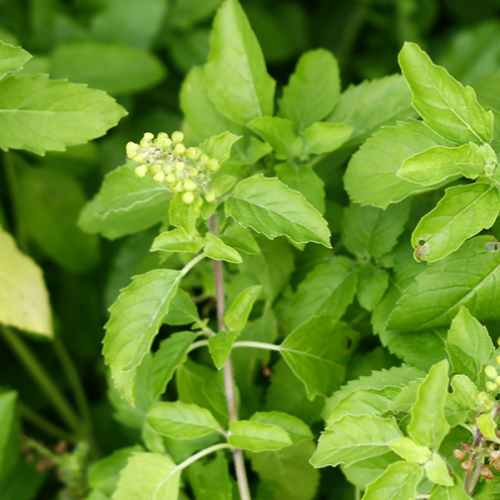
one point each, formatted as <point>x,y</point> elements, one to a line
<point>11,58</point>
<point>237,237</point>
<point>352,439</point>
<point>468,277</point>
<point>436,471</point>
<point>270,207</point>
<point>371,177</point>
<point>429,425</point>
<point>148,476</point>
<point>317,352</point>
<point>372,284</point>
<point>182,310</point>
<point>297,430</point>
<point>222,184</point>
<point>411,451</point>
<point>439,163</point>
<point>238,82</point>
<point>181,421</point>
<point>487,425</point>
<point>313,89</point>
<point>398,482</point>
<point>324,137</point>
<point>42,115</point>
<point>24,300</point>
<point>445,105</point>
<point>469,345</point>
<point>455,492</point>
<point>463,401</point>
<point>328,289</point>
<point>364,472</point>
<point>278,132</point>
<point>463,212</point>
<point>185,216</point>
<point>211,481</point>
<point>219,146</point>
<point>177,240</point>
<point>220,347</point>
<point>216,249</point>
<point>255,436</point>
<point>237,315</point>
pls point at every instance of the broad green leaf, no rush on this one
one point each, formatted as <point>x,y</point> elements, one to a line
<point>24,300</point>
<point>222,184</point>
<point>219,146</point>
<point>171,354</point>
<point>183,215</point>
<point>277,132</point>
<point>125,204</point>
<point>372,284</point>
<point>136,317</point>
<point>371,174</point>
<point>237,237</point>
<point>237,79</point>
<point>439,163</point>
<point>469,345</point>
<point>364,472</point>
<point>148,476</point>
<point>455,492</point>
<point>398,482</point>
<point>211,481</point>
<point>463,401</point>
<point>324,137</point>
<point>403,402</point>
<point>371,231</point>
<point>411,451</point>
<point>352,439</point>
<point>115,68</point>
<point>297,430</point>
<point>237,315</point>
<point>303,179</point>
<point>463,212</point>
<point>12,58</point>
<point>181,421</point>
<point>487,96</point>
<point>318,352</point>
<point>468,277</point>
<point>313,89</point>
<point>429,425</point>
<point>487,425</point>
<point>436,470</point>
<point>446,106</point>
<point>182,310</point>
<point>328,289</point>
<point>42,115</point>
<point>186,13</point>
<point>220,347</point>
<point>254,436</point>
<point>9,434</point>
<point>270,207</point>
<point>177,240</point>
<point>289,471</point>
<point>216,249</point>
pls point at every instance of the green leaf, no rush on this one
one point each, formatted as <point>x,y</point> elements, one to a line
<point>469,345</point>
<point>125,204</point>
<point>12,58</point>
<point>238,82</point>
<point>446,106</point>
<point>429,425</point>
<point>398,482</point>
<point>183,215</point>
<point>237,315</point>
<point>177,240</point>
<point>463,212</point>
<point>436,470</point>
<point>352,439</point>
<point>463,401</point>
<point>278,133</point>
<point>220,347</point>
<point>135,319</point>
<point>487,425</point>
<point>313,89</point>
<point>317,352</point>
<point>182,310</point>
<point>254,436</point>
<point>371,174</point>
<point>303,179</point>
<point>439,163</point>
<point>148,476</point>
<point>235,236</point>
<point>115,68</point>
<point>42,115</point>
<point>211,481</point>
<point>216,249</point>
<point>289,471</point>
<point>324,137</point>
<point>219,146</point>
<point>296,428</point>
<point>24,300</point>
<point>364,472</point>
<point>411,451</point>
<point>372,285</point>
<point>468,277</point>
<point>181,421</point>
<point>9,434</point>
<point>270,207</point>
<point>455,492</point>
<point>371,231</point>
<point>328,289</point>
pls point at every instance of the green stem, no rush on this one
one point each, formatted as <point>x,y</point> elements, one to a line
<point>257,345</point>
<point>41,377</point>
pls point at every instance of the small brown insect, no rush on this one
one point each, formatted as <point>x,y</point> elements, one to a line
<point>267,371</point>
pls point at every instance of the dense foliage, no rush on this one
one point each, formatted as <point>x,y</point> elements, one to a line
<point>297,254</point>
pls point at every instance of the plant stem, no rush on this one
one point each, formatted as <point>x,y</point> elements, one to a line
<point>239,460</point>
<point>243,343</point>
<point>41,377</point>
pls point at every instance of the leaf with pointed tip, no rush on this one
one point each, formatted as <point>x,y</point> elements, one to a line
<point>237,237</point>
<point>216,249</point>
<point>254,436</point>
<point>372,285</point>
<point>211,481</point>
<point>11,58</point>
<point>324,137</point>
<point>277,132</point>
<point>220,347</point>
<point>237,315</point>
<point>436,471</point>
<point>297,430</point>
<point>411,451</point>
<point>182,310</point>
<point>463,401</point>
<point>177,240</point>
<point>219,146</point>
<point>487,425</point>
<point>455,492</point>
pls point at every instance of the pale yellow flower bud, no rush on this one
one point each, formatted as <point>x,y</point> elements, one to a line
<point>210,196</point>
<point>171,177</point>
<point>160,176</point>
<point>491,386</point>
<point>141,170</point>
<point>179,149</point>
<point>188,197</point>
<point>192,153</point>
<point>177,137</point>
<point>180,166</point>
<point>491,371</point>
<point>213,165</point>
<point>189,185</point>
<point>204,159</point>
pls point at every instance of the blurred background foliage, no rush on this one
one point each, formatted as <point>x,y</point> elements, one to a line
<point>139,51</point>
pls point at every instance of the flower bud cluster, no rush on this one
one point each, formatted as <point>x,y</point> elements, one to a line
<point>184,170</point>
<point>492,373</point>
